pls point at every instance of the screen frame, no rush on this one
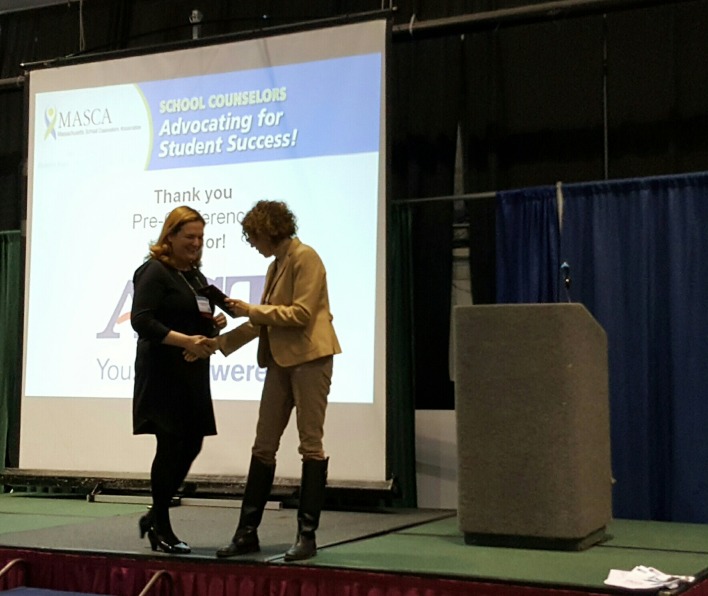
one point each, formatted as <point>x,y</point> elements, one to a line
<point>383,160</point>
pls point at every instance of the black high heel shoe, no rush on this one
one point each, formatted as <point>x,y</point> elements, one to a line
<point>144,524</point>
<point>172,545</point>
<point>167,542</point>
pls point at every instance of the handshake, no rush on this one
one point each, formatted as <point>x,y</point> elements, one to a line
<point>195,347</point>
<point>199,346</point>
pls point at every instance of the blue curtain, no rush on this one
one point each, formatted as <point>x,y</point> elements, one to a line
<point>637,251</point>
<point>528,246</point>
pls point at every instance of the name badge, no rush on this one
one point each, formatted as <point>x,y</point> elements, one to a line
<point>204,306</point>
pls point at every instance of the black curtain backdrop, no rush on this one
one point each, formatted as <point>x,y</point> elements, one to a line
<point>431,236</point>
<point>423,124</point>
<point>481,244</point>
<point>533,99</point>
<point>11,158</point>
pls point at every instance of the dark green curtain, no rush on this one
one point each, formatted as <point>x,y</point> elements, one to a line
<point>10,334</point>
<point>400,415</point>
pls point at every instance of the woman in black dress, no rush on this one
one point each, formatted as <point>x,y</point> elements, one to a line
<point>172,398</point>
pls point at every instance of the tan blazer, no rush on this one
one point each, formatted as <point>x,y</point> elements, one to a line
<point>295,310</point>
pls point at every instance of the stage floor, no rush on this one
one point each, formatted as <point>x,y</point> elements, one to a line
<point>418,542</point>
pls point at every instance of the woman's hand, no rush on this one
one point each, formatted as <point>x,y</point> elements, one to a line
<point>220,321</point>
<point>239,308</point>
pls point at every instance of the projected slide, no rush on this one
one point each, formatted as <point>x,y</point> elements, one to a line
<point>115,145</point>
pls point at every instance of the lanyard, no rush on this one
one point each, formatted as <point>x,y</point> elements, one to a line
<point>203,303</point>
<point>191,287</point>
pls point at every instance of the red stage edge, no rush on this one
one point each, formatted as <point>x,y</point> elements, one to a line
<point>121,576</point>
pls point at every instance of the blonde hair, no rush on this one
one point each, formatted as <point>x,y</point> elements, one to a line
<point>162,249</point>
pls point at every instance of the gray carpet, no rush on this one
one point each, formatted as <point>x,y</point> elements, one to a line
<point>205,529</point>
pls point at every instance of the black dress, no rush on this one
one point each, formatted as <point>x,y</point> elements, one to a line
<point>170,395</point>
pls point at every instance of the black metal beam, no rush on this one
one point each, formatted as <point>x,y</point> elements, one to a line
<point>521,15</point>
<point>12,83</point>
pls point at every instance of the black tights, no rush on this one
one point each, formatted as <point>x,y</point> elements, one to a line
<point>173,458</point>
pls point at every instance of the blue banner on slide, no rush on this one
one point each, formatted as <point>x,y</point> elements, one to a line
<point>328,107</point>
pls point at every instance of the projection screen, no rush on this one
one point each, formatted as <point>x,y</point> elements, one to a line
<point>114,145</point>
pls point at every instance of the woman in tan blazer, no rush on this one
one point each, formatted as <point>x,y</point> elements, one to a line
<point>296,344</point>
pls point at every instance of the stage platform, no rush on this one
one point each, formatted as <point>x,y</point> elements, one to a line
<point>69,543</point>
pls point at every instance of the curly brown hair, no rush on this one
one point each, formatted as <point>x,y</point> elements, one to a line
<point>271,219</point>
<point>162,249</point>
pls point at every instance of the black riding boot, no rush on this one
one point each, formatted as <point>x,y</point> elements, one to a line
<point>255,497</point>
<point>312,496</point>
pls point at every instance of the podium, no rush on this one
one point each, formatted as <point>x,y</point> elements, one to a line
<point>533,432</point>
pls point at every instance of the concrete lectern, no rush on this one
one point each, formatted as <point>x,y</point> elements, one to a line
<point>533,432</point>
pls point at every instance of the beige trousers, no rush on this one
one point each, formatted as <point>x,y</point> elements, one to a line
<point>304,387</point>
